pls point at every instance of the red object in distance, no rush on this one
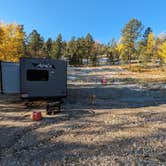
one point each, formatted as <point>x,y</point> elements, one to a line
<point>36,116</point>
<point>104,81</point>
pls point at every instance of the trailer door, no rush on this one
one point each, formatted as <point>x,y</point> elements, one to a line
<point>10,77</point>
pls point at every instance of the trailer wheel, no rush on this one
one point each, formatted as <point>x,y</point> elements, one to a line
<point>29,104</point>
<point>53,109</point>
<point>48,110</point>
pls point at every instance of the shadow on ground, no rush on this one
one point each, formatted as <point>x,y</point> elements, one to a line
<point>112,97</point>
<point>81,134</point>
<point>55,146</point>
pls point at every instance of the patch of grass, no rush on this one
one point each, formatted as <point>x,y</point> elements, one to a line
<point>137,73</point>
<point>142,68</point>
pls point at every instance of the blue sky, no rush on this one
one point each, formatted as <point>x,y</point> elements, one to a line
<point>104,19</point>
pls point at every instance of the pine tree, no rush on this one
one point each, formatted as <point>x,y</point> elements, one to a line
<point>64,49</point>
<point>97,50</point>
<point>141,49</point>
<point>35,44</point>
<point>56,51</point>
<point>148,30</point>
<point>112,52</point>
<point>71,51</point>
<point>81,50</point>
<point>130,34</point>
<point>48,46</point>
<point>88,45</point>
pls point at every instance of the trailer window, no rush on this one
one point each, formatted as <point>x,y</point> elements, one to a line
<point>37,75</point>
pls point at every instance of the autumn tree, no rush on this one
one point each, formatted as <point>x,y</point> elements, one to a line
<point>148,49</point>
<point>162,53</point>
<point>130,34</point>
<point>11,42</point>
<point>1,35</point>
<point>150,45</point>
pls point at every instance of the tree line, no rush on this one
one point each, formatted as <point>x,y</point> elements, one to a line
<point>136,43</point>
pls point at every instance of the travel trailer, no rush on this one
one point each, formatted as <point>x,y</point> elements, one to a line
<point>36,78</point>
<point>43,78</point>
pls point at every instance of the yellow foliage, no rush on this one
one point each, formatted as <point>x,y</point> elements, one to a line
<point>1,35</point>
<point>162,52</point>
<point>150,43</point>
<point>11,42</point>
<point>120,47</point>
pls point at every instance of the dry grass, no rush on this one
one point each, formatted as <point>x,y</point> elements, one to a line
<point>147,74</point>
<point>134,74</point>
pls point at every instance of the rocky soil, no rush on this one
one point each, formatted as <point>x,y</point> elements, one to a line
<point>126,124</point>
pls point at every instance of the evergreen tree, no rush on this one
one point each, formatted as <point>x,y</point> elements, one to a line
<point>130,34</point>
<point>88,45</point>
<point>56,51</point>
<point>112,52</point>
<point>48,47</point>
<point>97,50</point>
<point>64,49</point>
<point>72,51</point>
<point>141,48</point>
<point>148,30</point>
<point>81,50</point>
<point>35,44</point>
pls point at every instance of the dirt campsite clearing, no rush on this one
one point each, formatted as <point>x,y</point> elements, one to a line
<point>126,124</point>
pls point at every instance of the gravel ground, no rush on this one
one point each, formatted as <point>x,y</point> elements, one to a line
<point>125,126</point>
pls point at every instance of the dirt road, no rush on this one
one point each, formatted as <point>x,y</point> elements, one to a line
<point>125,126</point>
